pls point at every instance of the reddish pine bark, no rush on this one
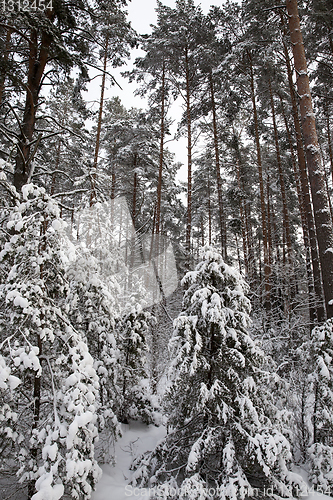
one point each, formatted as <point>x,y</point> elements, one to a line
<point>304,182</point>
<point>218,172</point>
<point>322,214</point>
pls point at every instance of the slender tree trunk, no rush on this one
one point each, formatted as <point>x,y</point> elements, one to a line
<point>286,223</point>
<point>269,222</point>
<point>37,377</point>
<point>238,254</point>
<point>113,184</point>
<point>317,278</point>
<point>99,125</point>
<point>3,75</point>
<point>306,238</point>
<point>242,217</point>
<point>329,141</point>
<point>189,156</point>
<point>57,163</point>
<point>134,213</point>
<point>218,171</point>
<point>36,417</point>
<point>267,270</point>
<point>202,232</point>
<point>135,186</point>
<point>209,213</point>
<point>160,169</point>
<point>248,247</point>
<point>36,66</point>
<point>319,197</point>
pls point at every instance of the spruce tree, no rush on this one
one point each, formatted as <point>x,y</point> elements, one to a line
<point>49,385</point>
<point>224,436</point>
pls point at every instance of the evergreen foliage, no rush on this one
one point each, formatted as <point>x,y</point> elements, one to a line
<point>137,402</point>
<point>320,453</point>
<point>50,387</point>
<point>224,429</point>
<point>93,311</point>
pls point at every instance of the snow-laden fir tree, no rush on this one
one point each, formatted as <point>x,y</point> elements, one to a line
<point>137,402</point>
<point>320,453</point>
<point>93,310</point>
<point>224,432</point>
<point>48,385</point>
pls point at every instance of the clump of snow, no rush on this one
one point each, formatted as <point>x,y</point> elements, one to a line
<point>46,490</point>
<point>137,438</point>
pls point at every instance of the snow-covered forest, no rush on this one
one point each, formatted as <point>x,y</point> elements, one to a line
<point>195,315</point>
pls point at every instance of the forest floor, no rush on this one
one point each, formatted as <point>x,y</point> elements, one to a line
<point>136,439</point>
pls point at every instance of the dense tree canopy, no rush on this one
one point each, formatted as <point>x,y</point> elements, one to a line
<point>97,227</point>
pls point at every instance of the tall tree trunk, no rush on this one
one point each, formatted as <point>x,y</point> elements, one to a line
<point>243,222</point>
<point>57,163</point>
<point>36,415</point>
<point>3,75</point>
<point>329,141</point>
<point>286,222</point>
<point>267,270</point>
<point>135,187</point>
<point>322,214</point>
<point>113,184</point>
<point>189,156</point>
<point>269,223</point>
<point>202,231</point>
<point>249,258</point>
<point>306,238</point>
<point>37,376</point>
<point>36,65</point>
<point>209,213</point>
<point>99,125</point>
<point>317,278</point>
<point>160,169</point>
<point>218,171</point>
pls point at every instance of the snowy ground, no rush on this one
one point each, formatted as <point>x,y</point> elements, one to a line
<point>137,438</point>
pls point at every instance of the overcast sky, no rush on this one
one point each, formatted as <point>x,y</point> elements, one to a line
<point>141,14</point>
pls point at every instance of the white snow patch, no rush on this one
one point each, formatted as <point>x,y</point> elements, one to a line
<point>136,439</point>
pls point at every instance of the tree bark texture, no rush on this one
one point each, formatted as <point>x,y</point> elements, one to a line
<point>218,172</point>
<point>189,156</point>
<point>99,125</point>
<point>307,204</point>
<point>306,238</point>
<point>37,61</point>
<point>267,270</point>
<point>322,214</point>
<point>160,168</point>
<point>3,76</point>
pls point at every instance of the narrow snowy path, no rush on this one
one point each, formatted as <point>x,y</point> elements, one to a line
<point>137,438</point>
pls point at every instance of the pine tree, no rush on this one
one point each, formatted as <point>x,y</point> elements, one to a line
<point>53,408</point>
<point>136,402</point>
<point>224,433</point>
